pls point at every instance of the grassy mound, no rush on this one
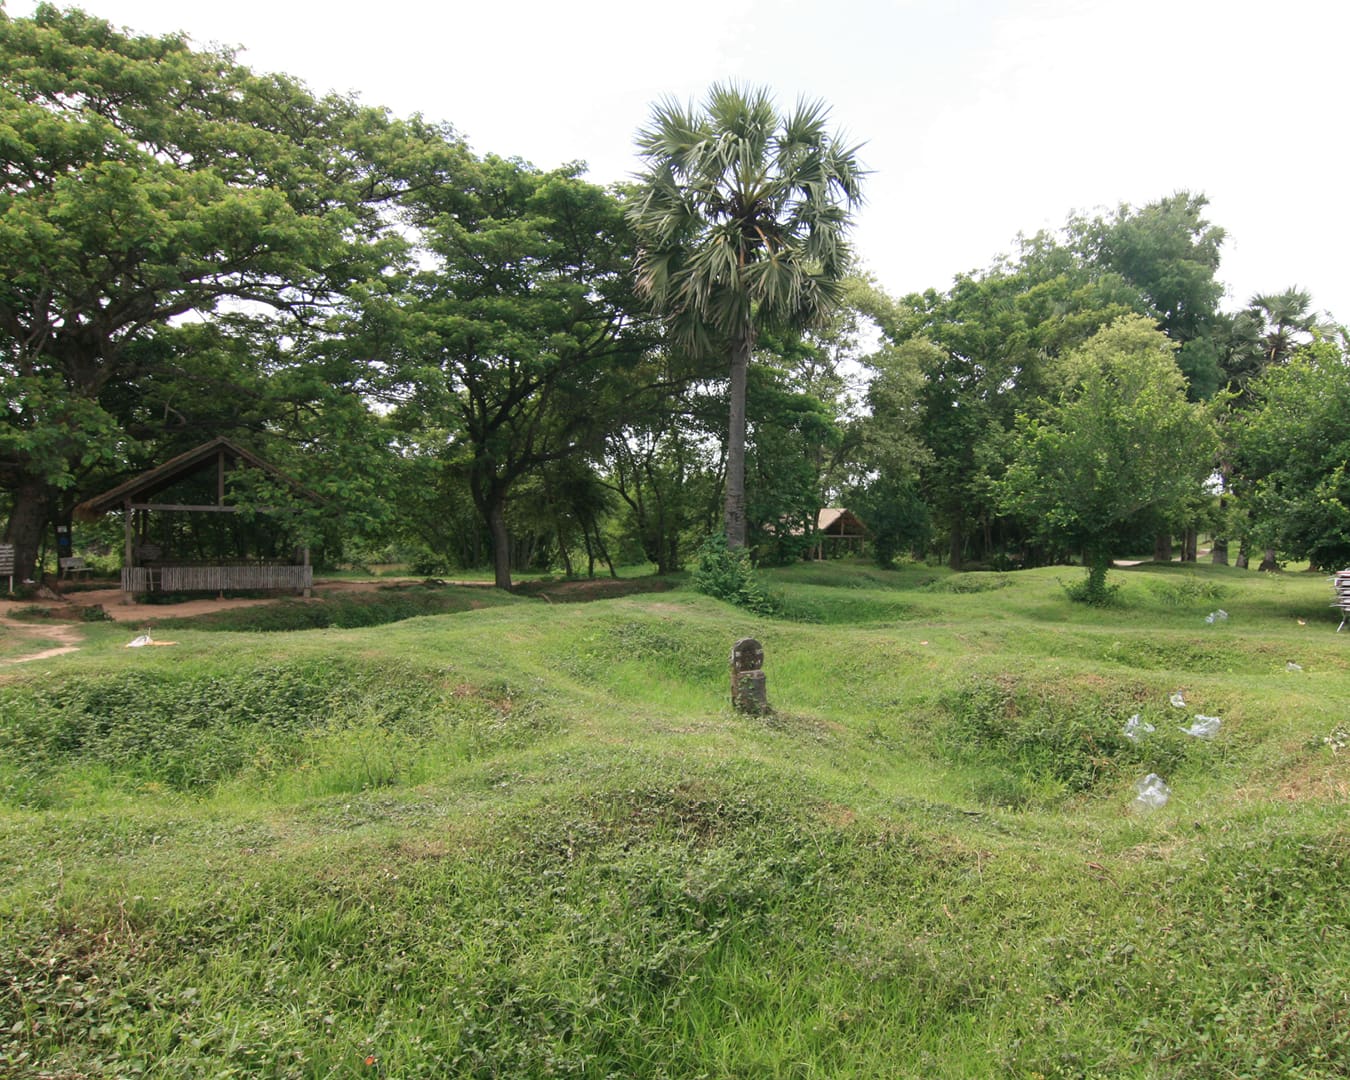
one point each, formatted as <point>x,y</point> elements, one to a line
<point>533,840</point>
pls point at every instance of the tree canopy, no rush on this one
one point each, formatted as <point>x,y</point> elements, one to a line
<point>143,182</point>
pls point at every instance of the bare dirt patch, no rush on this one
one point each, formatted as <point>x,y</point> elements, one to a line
<point>47,639</point>
<point>1318,782</point>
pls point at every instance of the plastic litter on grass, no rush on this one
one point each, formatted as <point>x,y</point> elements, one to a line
<point>1205,727</point>
<point>1136,728</point>
<point>1152,792</point>
<point>146,639</point>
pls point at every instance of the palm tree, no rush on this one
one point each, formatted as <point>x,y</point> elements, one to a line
<point>741,218</point>
<point>1284,321</point>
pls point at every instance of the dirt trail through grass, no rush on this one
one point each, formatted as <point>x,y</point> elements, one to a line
<point>64,636</point>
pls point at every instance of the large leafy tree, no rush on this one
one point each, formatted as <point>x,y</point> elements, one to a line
<point>741,216</point>
<point>1259,339</point>
<point>1119,453</point>
<point>1291,450</point>
<point>503,345</point>
<point>988,348</point>
<point>141,182</point>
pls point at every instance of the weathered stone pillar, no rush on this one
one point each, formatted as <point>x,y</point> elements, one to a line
<point>748,693</point>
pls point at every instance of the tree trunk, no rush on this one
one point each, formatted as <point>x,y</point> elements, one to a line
<point>1189,545</point>
<point>954,547</point>
<point>604,549</point>
<point>590,551</point>
<point>1268,561</point>
<point>1162,547</point>
<point>1242,556</point>
<point>741,348</point>
<point>501,543</point>
<point>562,550</point>
<point>1218,550</point>
<point>27,523</point>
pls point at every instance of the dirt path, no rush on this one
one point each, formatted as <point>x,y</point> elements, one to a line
<point>65,638</point>
<point>111,601</point>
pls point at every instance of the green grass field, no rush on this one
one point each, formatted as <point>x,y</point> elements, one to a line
<point>531,839</point>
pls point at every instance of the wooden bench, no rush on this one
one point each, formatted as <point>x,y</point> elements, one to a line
<point>72,565</point>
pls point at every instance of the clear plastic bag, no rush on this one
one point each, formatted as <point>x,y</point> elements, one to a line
<point>1205,727</point>
<point>1178,700</point>
<point>1151,792</point>
<point>1136,728</point>
<point>1216,616</point>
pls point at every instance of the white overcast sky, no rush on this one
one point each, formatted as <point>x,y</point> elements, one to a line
<point>980,119</point>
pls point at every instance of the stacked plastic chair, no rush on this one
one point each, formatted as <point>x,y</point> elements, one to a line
<point>1341,583</point>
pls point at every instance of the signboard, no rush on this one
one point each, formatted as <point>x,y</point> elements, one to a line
<point>7,563</point>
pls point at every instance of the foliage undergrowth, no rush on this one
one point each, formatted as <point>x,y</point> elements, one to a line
<point>730,575</point>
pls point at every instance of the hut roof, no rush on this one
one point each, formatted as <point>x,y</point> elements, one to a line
<point>170,472</point>
<point>841,521</point>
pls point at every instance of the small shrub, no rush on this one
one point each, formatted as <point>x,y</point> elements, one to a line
<point>1086,591</point>
<point>31,611</point>
<point>729,575</point>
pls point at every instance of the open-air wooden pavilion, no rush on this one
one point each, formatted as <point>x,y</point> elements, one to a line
<point>194,483</point>
<point>838,531</point>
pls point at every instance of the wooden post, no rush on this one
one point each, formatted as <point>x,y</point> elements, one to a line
<point>128,550</point>
<point>305,563</point>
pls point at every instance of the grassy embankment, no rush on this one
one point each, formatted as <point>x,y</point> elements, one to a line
<point>533,840</point>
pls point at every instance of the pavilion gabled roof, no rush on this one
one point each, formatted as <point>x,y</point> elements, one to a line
<point>140,488</point>
<point>842,520</point>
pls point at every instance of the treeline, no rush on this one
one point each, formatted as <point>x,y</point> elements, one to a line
<point>459,353</point>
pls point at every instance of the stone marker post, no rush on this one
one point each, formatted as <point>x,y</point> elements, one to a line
<point>748,694</point>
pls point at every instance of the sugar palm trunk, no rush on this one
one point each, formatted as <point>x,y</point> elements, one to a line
<point>741,347</point>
